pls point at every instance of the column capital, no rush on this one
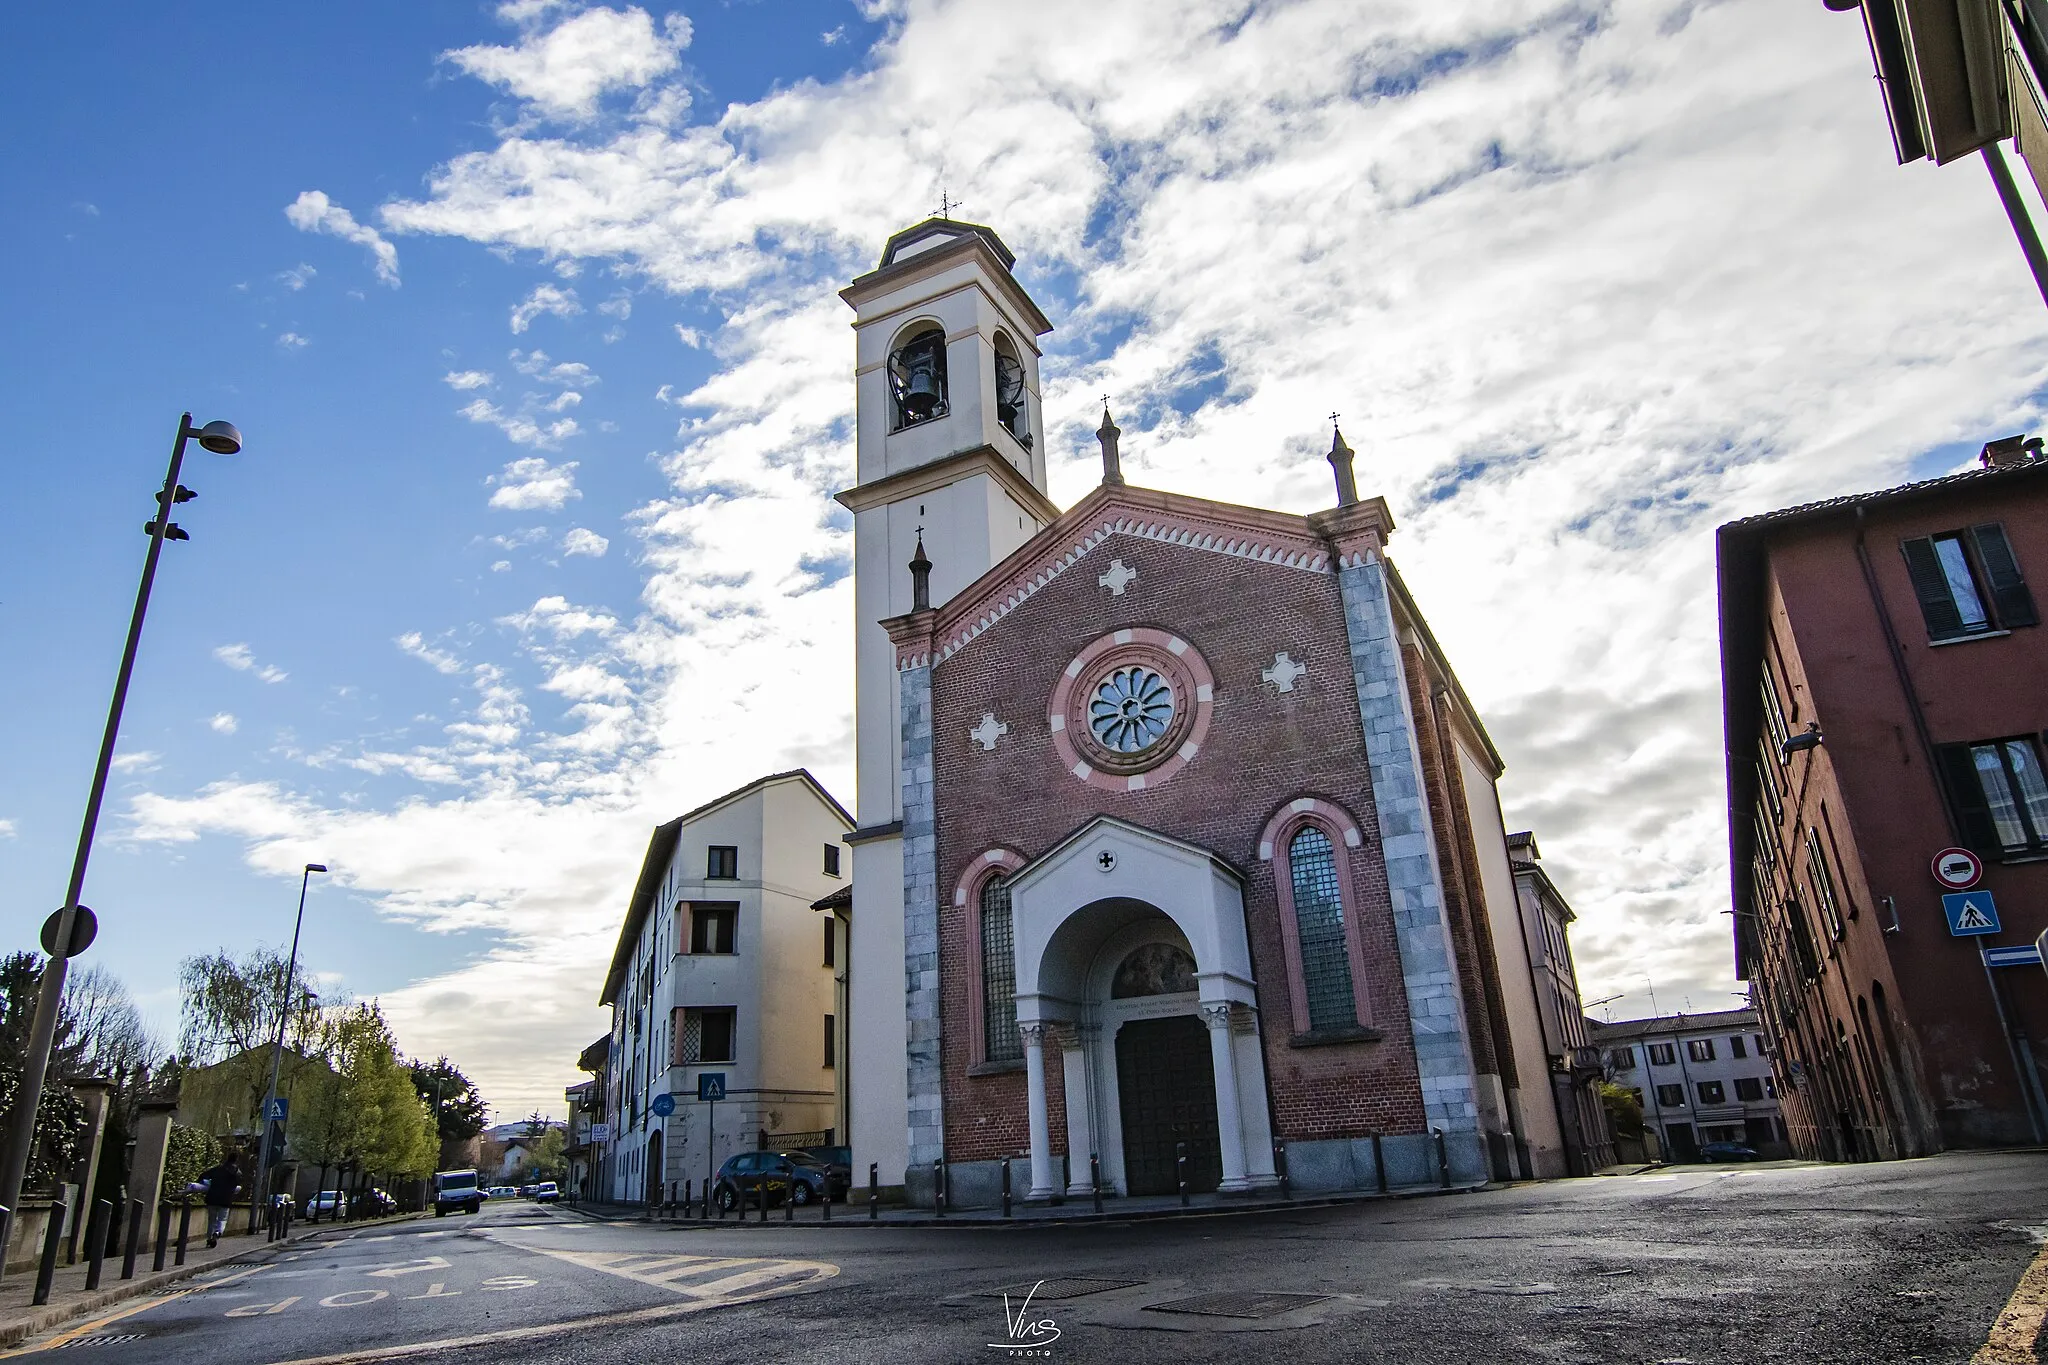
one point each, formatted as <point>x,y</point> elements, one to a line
<point>1034,1032</point>
<point>1216,1013</point>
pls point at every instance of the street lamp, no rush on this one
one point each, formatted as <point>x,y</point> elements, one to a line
<point>222,439</point>
<point>284,1014</point>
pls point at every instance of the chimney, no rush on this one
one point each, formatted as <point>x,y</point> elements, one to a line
<point>2008,451</point>
<point>920,577</point>
<point>1112,471</point>
<point>1340,462</point>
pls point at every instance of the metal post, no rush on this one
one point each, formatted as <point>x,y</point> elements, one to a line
<point>284,1013</point>
<point>1095,1180</point>
<point>1379,1163</point>
<point>789,1200</point>
<point>184,1229</point>
<point>1180,1170</point>
<point>163,1238</point>
<point>1006,1187</point>
<point>689,1197</point>
<point>21,1127</point>
<point>1443,1159</point>
<point>1280,1164</point>
<point>96,1241</point>
<point>137,1211</point>
<point>939,1186</point>
<point>6,1229</point>
<point>761,1185</point>
<point>874,1190</point>
<point>2016,213</point>
<point>53,1242</point>
<point>826,1198</point>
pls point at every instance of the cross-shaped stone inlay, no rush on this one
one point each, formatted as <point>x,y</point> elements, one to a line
<point>1117,577</point>
<point>1106,860</point>
<point>1284,673</point>
<point>988,732</point>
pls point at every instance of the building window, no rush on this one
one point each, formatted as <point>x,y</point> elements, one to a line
<point>1700,1049</point>
<point>1671,1096</point>
<point>999,1039</point>
<point>1999,793</point>
<point>1749,1088</point>
<point>1771,1089</point>
<point>1663,1054</point>
<point>1736,1047</point>
<point>1802,939</point>
<point>831,1041</point>
<point>1319,927</point>
<point>831,860</point>
<point>1968,583</point>
<point>1623,1059</point>
<point>831,940</point>
<point>1712,1092</point>
<point>714,928</point>
<point>1774,715</point>
<point>1823,885</point>
<point>706,1036</point>
<point>723,865</point>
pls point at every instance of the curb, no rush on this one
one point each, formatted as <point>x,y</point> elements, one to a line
<point>49,1316</point>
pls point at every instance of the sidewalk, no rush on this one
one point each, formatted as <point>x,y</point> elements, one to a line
<point>1114,1210</point>
<point>69,1298</point>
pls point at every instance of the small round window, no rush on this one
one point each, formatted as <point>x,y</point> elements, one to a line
<point>1132,709</point>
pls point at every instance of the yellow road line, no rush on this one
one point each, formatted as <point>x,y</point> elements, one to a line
<point>87,1329</point>
<point>2012,1337</point>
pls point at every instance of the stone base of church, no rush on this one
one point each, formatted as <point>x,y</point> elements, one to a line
<point>1331,1165</point>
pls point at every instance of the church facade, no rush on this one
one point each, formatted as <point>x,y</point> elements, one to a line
<point>1177,834</point>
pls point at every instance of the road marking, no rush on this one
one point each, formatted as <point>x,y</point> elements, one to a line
<point>397,1268</point>
<point>356,1298</point>
<point>2012,1337</point>
<point>436,1290</point>
<point>86,1329</point>
<point>706,1277</point>
<point>257,1310</point>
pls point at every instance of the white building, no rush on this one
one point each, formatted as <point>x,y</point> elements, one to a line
<point>722,967</point>
<point>1699,1077</point>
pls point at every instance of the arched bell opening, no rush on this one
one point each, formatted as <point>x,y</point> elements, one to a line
<point>917,377</point>
<point>1013,394</point>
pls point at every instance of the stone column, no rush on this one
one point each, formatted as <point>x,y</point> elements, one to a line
<point>146,1176</point>
<point>1229,1114</point>
<point>93,1091</point>
<point>1042,1186</point>
<point>1074,1043</point>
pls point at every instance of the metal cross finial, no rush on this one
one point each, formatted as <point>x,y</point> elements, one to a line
<point>1334,416</point>
<point>946,203</point>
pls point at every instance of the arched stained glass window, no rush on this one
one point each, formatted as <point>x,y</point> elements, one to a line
<point>1000,1042</point>
<point>1319,925</point>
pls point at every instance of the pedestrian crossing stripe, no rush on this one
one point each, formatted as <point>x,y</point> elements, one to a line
<point>712,1279</point>
<point>1972,917</point>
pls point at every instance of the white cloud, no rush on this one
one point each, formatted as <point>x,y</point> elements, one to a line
<point>532,483</point>
<point>136,761</point>
<point>690,337</point>
<point>290,341</point>
<point>223,723</point>
<point>440,660</point>
<point>545,298</point>
<point>833,37</point>
<point>463,380</point>
<point>537,364</point>
<point>564,70</point>
<point>295,278</point>
<point>618,306</point>
<point>501,565</point>
<point>312,211</point>
<point>239,658</point>
<point>523,430</point>
<point>581,541</point>
<point>7,829</point>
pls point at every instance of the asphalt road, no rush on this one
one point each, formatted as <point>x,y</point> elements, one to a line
<point>1902,1261</point>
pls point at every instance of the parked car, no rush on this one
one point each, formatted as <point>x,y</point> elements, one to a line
<point>1727,1151</point>
<point>327,1203</point>
<point>456,1192</point>
<point>526,1191</point>
<point>798,1176</point>
<point>547,1192</point>
<point>503,1192</point>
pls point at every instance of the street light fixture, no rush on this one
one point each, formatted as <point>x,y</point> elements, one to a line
<point>284,1014</point>
<point>222,439</point>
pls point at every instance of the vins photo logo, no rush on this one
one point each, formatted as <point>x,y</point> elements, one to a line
<point>1029,1335</point>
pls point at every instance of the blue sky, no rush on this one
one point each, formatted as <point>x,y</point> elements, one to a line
<point>1584,280</point>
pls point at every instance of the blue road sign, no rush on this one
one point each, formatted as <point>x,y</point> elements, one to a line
<point>1970,912</point>
<point>2019,955</point>
<point>663,1106</point>
<point>711,1085</point>
<point>278,1107</point>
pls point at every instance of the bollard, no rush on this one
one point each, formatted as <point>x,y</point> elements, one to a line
<point>874,1190</point>
<point>1280,1169</point>
<point>96,1241</point>
<point>163,1238</point>
<point>689,1197</point>
<point>1006,1187</point>
<point>6,1228</point>
<point>939,1187</point>
<point>1095,1180</point>
<point>826,1198</point>
<point>789,1200</point>
<point>184,1229</point>
<point>137,1213</point>
<point>1379,1163</point>
<point>1443,1160</point>
<point>1180,1170</point>
<point>53,1242</point>
<point>761,1184</point>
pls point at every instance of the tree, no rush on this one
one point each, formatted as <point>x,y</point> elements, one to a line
<point>229,1026</point>
<point>452,1096</point>
<point>60,1115</point>
<point>548,1161</point>
<point>190,1154</point>
<point>536,1124</point>
<point>375,1114</point>
<point>1624,1111</point>
<point>108,1037</point>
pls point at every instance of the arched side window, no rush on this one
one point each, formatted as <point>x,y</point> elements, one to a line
<point>1309,844</point>
<point>1013,397</point>
<point>917,379</point>
<point>999,1039</point>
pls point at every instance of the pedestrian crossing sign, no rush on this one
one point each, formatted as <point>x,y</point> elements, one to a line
<point>1970,912</point>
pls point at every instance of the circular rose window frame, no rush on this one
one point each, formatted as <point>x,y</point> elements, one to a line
<point>1184,669</point>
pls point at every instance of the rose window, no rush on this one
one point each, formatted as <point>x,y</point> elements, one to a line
<point>1131,710</point>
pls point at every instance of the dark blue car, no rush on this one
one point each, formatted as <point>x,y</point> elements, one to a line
<point>797,1176</point>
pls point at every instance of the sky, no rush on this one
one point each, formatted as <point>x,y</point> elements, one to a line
<point>528,316</point>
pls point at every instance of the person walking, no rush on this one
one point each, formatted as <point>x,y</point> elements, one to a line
<point>219,1185</point>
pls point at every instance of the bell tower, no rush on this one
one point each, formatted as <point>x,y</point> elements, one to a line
<point>951,446</point>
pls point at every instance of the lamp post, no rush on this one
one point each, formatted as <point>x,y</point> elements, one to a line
<point>284,1014</point>
<point>222,439</point>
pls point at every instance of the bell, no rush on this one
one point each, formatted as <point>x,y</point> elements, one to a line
<point>921,394</point>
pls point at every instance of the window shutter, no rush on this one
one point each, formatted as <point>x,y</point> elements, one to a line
<point>1966,791</point>
<point>2009,595</point>
<point>1930,585</point>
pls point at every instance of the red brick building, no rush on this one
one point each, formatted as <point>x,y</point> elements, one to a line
<point>1885,692</point>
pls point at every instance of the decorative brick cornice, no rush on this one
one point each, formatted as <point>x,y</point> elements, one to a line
<point>1357,531</point>
<point>911,633</point>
